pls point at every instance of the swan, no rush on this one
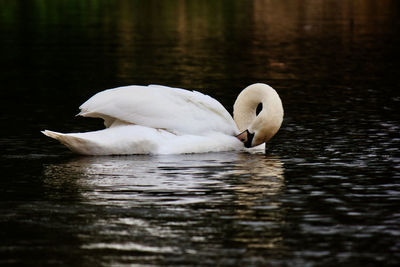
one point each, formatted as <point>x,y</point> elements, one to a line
<point>158,119</point>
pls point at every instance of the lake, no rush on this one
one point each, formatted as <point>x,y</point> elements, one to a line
<point>326,191</point>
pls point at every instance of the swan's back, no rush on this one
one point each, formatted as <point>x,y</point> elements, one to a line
<point>160,107</point>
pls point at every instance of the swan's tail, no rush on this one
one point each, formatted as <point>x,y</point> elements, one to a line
<point>75,143</point>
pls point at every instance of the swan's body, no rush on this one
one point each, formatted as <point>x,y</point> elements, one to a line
<point>163,120</point>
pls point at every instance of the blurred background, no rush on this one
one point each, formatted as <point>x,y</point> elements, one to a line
<point>334,64</point>
<point>56,54</point>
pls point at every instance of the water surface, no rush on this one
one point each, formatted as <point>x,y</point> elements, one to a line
<point>325,192</point>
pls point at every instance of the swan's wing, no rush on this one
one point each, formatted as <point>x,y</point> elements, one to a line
<point>160,107</point>
<point>135,139</point>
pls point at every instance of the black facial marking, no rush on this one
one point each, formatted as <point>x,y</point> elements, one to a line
<point>259,108</point>
<point>250,137</point>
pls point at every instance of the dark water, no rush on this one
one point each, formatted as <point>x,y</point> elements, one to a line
<point>326,192</point>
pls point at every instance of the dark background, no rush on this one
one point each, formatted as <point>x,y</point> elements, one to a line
<point>334,64</point>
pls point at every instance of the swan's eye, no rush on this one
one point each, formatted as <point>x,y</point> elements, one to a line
<point>259,108</point>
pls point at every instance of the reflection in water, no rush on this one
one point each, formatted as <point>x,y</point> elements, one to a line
<point>147,175</point>
<point>179,204</point>
<point>334,64</point>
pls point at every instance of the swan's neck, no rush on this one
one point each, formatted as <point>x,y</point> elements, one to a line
<point>268,121</point>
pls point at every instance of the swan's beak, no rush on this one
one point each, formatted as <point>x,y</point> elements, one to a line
<point>246,137</point>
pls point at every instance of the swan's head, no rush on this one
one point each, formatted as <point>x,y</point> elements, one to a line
<point>258,114</point>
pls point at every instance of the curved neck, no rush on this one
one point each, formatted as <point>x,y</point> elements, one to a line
<point>268,121</point>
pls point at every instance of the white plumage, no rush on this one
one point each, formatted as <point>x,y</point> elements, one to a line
<point>161,107</point>
<point>153,120</point>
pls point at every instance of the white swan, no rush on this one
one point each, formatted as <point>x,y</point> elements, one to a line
<point>163,120</point>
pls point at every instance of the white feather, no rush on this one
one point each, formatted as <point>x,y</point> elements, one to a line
<point>160,107</point>
<point>136,139</point>
<point>163,120</point>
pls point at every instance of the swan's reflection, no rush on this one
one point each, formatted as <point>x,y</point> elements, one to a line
<point>259,214</point>
<point>172,179</point>
<point>237,189</point>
